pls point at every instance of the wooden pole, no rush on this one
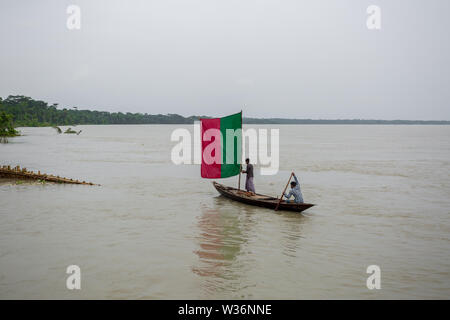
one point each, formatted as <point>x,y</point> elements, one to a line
<point>239,181</point>
<point>240,166</point>
<point>281,198</point>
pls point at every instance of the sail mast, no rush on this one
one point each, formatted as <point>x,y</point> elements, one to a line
<point>240,166</point>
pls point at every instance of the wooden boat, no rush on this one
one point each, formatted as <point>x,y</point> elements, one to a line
<point>259,199</point>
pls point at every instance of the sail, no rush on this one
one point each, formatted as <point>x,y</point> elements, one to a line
<point>221,146</point>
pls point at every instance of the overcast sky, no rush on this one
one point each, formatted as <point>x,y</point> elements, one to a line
<point>279,58</point>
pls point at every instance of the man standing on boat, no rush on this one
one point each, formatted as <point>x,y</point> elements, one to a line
<point>249,186</point>
<point>295,191</point>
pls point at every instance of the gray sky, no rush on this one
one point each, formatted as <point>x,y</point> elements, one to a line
<point>280,58</point>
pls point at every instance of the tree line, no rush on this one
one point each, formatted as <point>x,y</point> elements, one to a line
<point>27,112</point>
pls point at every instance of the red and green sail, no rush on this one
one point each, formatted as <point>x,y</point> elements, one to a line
<point>221,146</point>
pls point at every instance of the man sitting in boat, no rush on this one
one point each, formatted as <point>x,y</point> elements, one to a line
<point>249,186</point>
<point>295,191</point>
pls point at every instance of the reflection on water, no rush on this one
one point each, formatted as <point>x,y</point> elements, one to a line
<point>224,238</point>
<point>291,238</point>
<point>221,238</point>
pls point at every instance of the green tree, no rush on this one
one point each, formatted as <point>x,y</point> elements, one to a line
<point>6,126</point>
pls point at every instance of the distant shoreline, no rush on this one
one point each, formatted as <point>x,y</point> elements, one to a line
<point>27,112</point>
<point>343,121</point>
<point>262,122</point>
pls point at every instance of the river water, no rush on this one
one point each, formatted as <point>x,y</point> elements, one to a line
<point>154,230</point>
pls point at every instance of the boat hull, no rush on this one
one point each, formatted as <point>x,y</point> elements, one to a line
<point>259,199</point>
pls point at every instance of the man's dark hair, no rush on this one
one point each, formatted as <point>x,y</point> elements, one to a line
<point>247,160</point>
<point>293,183</point>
